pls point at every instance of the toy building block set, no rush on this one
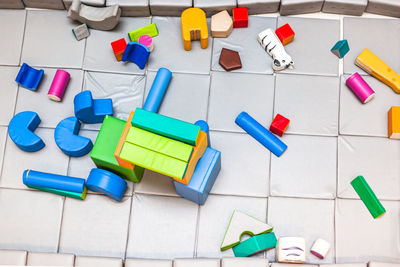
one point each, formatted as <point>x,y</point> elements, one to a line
<point>209,149</point>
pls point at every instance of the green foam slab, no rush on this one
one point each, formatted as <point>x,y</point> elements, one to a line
<point>106,143</point>
<point>255,245</point>
<point>166,126</point>
<point>150,30</point>
<point>368,196</point>
<point>76,195</point>
<point>160,144</point>
<point>154,161</point>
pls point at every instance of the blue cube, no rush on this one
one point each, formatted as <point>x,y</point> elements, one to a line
<point>341,48</point>
<point>203,178</point>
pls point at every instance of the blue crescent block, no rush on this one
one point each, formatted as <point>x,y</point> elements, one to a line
<point>106,182</point>
<point>262,135</point>
<point>137,53</point>
<point>204,176</point>
<point>91,110</point>
<point>204,127</point>
<point>54,181</point>
<point>157,91</point>
<point>68,140</point>
<point>21,130</point>
<point>29,77</point>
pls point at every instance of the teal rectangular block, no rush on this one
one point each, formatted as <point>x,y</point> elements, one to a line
<point>341,48</point>
<point>255,244</point>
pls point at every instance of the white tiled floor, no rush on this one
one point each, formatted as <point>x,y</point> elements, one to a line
<point>305,183</point>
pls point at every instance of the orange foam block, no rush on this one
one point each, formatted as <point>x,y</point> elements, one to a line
<point>394,122</point>
<point>121,142</point>
<point>194,27</point>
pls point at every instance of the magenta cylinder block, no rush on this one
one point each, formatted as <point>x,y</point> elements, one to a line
<point>58,85</point>
<point>360,87</point>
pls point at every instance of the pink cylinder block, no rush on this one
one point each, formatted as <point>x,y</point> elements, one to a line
<point>147,41</point>
<point>58,85</point>
<point>358,85</point>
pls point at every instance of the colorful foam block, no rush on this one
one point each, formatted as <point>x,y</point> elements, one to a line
<point>221,24</point>
<point>21,128</point>
<point>204,127</point>
<point>157,90</point>
<point>136,53</point>
<point>53,181</point>
<point>198,152</point>
<point>341,48</point>
<point>150,30</point>
<point>147,41</point>
<point>291,250</point>
<point>375,66</point>
<point>106,143</point>
<point>29,77</point>
<point>91,110</point>
<point>285,33</point>
<point>194,27</point>
<point>153,161</point>
<point>58,85</point>
<point>360,88</point>
<point>76,195</point>
<point>203,178</point>
<point>262,135</point>
<point>107,183</point>
<point>118,47</point>
<point>166,126</point>
<point>230,59</point>
<point>394,122</point>
<point>320,248</point>
<point>81,32</point>
<point>159,144</point>
<point>368,196</point>
<point>68,140</point>
<point>279,125</point>
<point>241,224</point>
<point>240,17</point>
<point>254,245</point>
<point>121,142</point>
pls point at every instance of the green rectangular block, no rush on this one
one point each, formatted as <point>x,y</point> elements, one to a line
<point>153,161</point>
<point>76,195</point>
<point>160,144</point>
<point>106,143</point>
<point>368,196</point>
<point>150,30</point>
<point>166,126</point>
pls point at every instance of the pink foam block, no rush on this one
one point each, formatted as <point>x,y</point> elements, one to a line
<point>358,85</point>
<point>147,41</point>
<point>58,85</point>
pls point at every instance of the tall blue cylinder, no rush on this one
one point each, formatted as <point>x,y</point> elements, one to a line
<point>157,91</point>
<point>262,135</point>
<point>54,181</point>
<point>204,127</point>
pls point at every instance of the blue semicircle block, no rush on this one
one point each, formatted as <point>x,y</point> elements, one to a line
<point>107,183</point>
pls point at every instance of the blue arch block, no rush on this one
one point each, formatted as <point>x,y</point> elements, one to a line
<point>68,140</point>
<point>91,110</point>
<point>137,53</point>
<point>21,130</point>
<point>29,77</point>
<point>106,182</point>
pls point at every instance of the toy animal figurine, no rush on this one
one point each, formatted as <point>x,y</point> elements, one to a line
<point>273,46</point>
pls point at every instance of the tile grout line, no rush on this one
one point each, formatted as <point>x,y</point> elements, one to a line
<point>209,85</point>
<point>62,211</point>
<point>196,239</point>
<point>129,224</point>
<point>23,38</point>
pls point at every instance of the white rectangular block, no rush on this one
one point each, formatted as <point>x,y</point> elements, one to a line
<point>13,257</point>
<point>50,259</point>
<point>259,6</point>
<point>244,262</point>
<point>147,263</point>
<point>169,7</point>
<point>293,7</point>
<point>384,7</point>
<point>383,264</point>
<point>45,4</point>
<point>98,3</point>
<point>196,263</point>
<point>346,265</point>
<point>14,4</point>
<point>131,8</point>
<point>97,262</point>
<point>346,7</point>
<point>212,7</point>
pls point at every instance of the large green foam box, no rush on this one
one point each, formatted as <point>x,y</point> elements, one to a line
<point>166,126</point>
<point>103,150</point>
<point>160,144</point>
<point>153,161</point>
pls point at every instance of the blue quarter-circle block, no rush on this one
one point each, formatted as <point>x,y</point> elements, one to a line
<point>21,128</point>
<point>204,176</point>
<point>137,53</point>
<point>106,182</point>
<point>68,140</point>
<point>204,127</point>
<point>29,77</point>
<point>91,110</point>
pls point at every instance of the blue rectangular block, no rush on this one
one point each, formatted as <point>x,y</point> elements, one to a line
<point>203,178</point>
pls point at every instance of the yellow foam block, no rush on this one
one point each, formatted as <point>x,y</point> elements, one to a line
<point>194,27</point>
<point>375,66</point>
<point>197,153</point>
<point>394,122</point>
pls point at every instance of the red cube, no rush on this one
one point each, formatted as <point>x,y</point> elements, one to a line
<point>279,125</point>
<point>285,34</point>
<point>240,17</point>
<point>119,48</point>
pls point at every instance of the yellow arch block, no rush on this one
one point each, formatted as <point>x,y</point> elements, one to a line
<point>194,27</point>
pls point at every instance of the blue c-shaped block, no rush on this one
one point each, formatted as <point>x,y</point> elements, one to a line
<point>204,127</point>
<point>68,140</point>
<point>262,135</point>
<point>137,53</point>
<point>106,182</point>
<point>157,91</point>
<point>21,130</point>
<point>29,77</point>
<point>91,110</point>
